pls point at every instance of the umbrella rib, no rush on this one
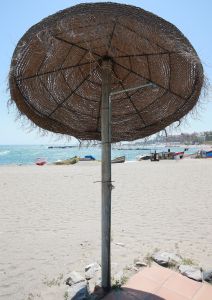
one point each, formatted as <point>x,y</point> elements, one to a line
<point>170,72</point>
<point>34,108</point>
<point>157,84</point>
<point>140,55</point>
<point>88,100</point>
<point>134,106</point>
<point>141,111</point>
<point>54,71</point>
<point>141,36</point>
<point>193,90</point>
<point>149,70</point>
<point>111,36</point>
<point>41,81</point>
<point>67,109</point>
<point>73,44</point>
<point>27,102</point>
<point>84,98</point>
<point>72,92</point>
<point>41,64</point>
<point>67,55</point>
<point>166,91</point>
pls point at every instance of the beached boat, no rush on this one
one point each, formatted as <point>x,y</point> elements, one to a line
<point>170,155</point>
<point>206,154</point>
<point>87,158</point>
<point>192,155</point>
<point>155,156</point>
<point>40,161</point>
<point>209,154</point>
<point>179,154</point>
<point>70,161</point>
<point>120,159</point>
<point>143,157</point>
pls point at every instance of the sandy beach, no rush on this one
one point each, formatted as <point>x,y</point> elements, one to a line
<point>50,219</point>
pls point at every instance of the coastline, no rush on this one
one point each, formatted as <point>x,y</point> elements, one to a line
<point>27,155</point>
<point>50,218</point>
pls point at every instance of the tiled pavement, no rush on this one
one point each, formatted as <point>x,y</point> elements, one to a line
<point>158,283</point>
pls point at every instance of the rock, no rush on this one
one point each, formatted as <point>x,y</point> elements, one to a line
<point>207,276</point>
<point>78,291</point>
<point>92,270</point>
<point>191,272</point>
<point>94,265</point>
<point>140,264</point>
<point>129,267</point>
<point>166,259</point>
<point>74,278</point>
<point>93,282</point>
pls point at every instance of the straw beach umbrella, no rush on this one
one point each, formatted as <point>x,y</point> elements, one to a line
<point>105,71</point>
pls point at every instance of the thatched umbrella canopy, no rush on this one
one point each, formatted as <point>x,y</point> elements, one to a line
<point>72,69</point>
<point>55,76</point>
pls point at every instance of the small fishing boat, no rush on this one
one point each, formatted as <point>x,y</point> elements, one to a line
<point>87,158</point>
<point>40,161</point>
<point>120,159</point>
<point>70,161</point>
<point>179,154</point>
<point>155,156</point>
<point>209,154</point>
<point>206,154</point>
<point>143,157</point>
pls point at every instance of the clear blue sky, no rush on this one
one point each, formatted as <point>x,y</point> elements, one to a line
<point>192,17</point>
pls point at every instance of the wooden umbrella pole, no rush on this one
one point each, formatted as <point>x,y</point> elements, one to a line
<point>106,173</point>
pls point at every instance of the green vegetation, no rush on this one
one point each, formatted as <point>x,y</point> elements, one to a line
<point>148,259</point>
<point>54,281</point>
<point>187,261</point>
<point>117,284</point>
<point>65,295</point>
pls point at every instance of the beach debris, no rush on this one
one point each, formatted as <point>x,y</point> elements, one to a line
<point>120,244</point>
<point>207,276</point>
<point>166,258</point>
<point>74,278</point>
<point>78,291</point>
<point>85,244</point>
<point>92,270</point>
<point>131,268</point>
<point>140,264</point>
<point>191,272</point>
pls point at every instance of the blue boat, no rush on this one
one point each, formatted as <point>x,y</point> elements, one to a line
<point>206,154</point>
<point>87,158</point>
<point>209,154</point>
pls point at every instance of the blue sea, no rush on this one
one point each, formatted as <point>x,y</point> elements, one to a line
<point>27,155</point>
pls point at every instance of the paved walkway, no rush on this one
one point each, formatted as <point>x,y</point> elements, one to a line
<point>158,283</point>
